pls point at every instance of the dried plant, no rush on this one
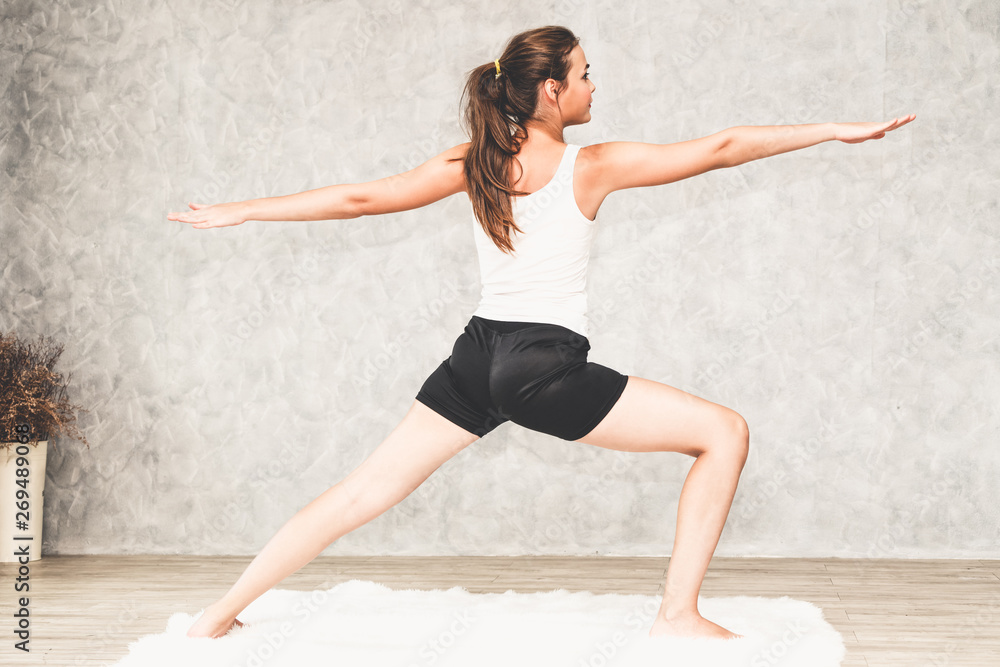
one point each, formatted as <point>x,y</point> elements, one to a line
<point>32,393</point>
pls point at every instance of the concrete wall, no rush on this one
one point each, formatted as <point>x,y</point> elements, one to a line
<point>842,298</point>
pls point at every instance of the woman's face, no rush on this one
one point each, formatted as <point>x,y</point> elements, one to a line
<point>573,104</point>
<point>576,97</point>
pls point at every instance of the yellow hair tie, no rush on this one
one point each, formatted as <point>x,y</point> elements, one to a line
<point>497,61</point>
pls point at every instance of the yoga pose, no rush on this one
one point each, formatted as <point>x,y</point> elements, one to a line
<point>523,355</point>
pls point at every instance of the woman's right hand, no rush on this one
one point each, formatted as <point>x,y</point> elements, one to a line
<point>855,133</point>
<point>210,216</point>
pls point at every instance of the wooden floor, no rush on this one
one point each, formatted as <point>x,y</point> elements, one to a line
<point>86,609</point>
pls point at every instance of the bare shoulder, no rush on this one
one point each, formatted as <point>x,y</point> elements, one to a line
<point>616,165</point>
<point>447,168</point>
<point>436,178</point>
<point>457,151</point>
<point>596,165</point>
<point>453,161</point>
<point>589,160</point>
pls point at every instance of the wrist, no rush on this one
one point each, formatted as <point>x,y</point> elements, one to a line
<point>830,131</point>
<point>249,209</point>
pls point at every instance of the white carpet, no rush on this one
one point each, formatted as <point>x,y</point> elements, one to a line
<point>365,624</point>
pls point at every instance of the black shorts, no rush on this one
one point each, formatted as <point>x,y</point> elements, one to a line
<point>535,375</point>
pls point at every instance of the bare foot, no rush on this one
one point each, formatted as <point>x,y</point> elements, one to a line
<point>690,625</point>
<point>211,624</point>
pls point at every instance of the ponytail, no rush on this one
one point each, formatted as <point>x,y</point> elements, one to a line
<point>495,118</point>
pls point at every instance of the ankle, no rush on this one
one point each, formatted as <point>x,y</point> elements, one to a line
<point>674,614</point>
<point>219,609</point>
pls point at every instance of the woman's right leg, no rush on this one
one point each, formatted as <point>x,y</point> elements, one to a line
<point>417,447</point>
<point>651,416</point>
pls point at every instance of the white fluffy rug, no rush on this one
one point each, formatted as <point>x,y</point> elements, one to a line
<point>365,624</point>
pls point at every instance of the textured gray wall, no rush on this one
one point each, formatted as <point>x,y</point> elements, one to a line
<point>842,298</point>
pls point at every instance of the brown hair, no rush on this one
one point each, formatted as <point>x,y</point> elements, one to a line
<point>495,117</point>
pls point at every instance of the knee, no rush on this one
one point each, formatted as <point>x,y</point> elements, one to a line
<point>738,436</point>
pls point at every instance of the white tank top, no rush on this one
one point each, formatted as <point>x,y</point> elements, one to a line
<point>545,280</point>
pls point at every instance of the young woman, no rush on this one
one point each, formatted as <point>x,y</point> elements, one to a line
<point>523,355</point>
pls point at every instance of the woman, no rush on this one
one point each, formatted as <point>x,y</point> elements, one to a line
<point>522,357</point>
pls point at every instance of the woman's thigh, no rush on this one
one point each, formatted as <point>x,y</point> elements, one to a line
<point>651,416</point>
<point>419,445</point>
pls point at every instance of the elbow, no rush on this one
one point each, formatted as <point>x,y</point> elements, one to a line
<point>355,206</point>
<point>726,152</point>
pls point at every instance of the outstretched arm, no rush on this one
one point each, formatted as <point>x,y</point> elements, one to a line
<point>631,164</point>
<point>435,179</point>
<point>746,143</point>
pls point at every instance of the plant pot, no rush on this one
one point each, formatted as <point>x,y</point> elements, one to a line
<point>21,499</point>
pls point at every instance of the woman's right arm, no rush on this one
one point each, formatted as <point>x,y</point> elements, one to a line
<point>433,180</point>
<point>326,203</point>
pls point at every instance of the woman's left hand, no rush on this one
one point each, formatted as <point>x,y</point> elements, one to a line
<point>855,133</point>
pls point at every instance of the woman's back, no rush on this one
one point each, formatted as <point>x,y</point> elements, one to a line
<point>544,279</point>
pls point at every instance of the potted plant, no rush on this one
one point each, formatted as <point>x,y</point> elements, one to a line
<point>34,407</point>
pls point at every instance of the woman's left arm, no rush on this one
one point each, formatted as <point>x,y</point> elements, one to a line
<point>745,143</point>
